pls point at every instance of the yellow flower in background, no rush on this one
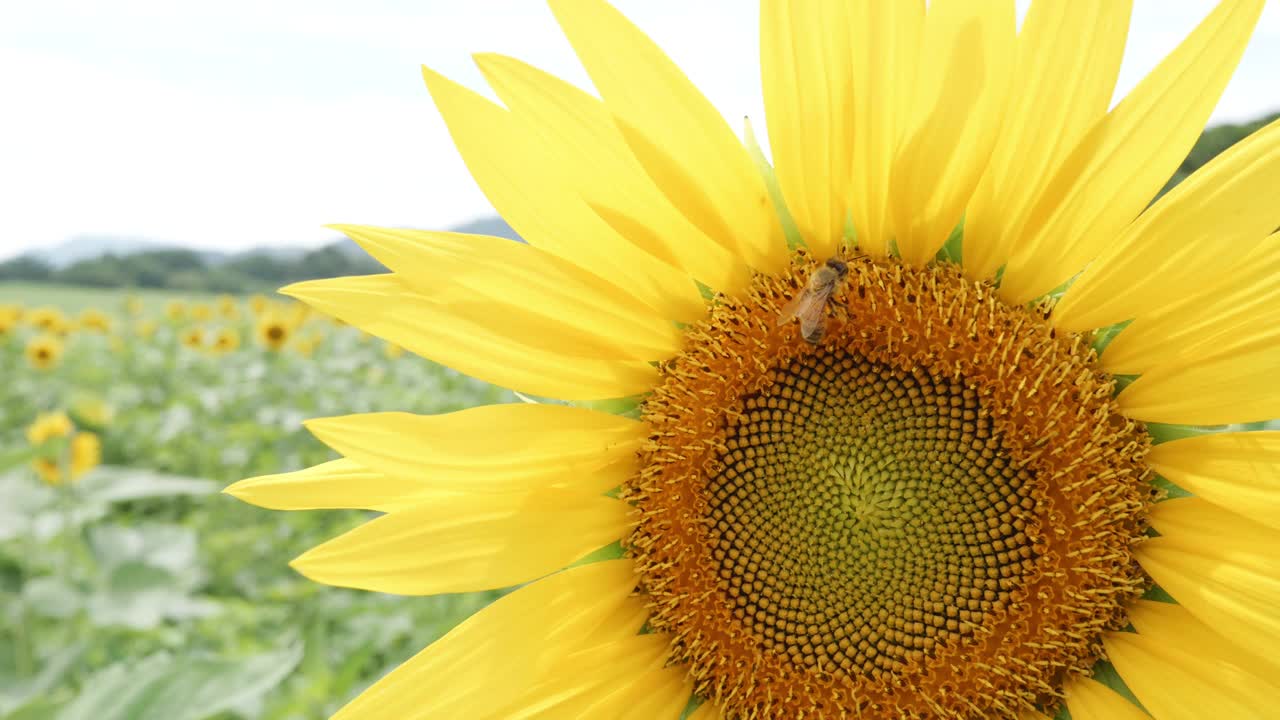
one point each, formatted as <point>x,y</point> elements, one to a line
<point>144,328</point>
<point>43,351</point>
<point>7,323</point>
<point>258,304</point>
<point>226,340</point>
<point>201,312</point>
<point>305,345</point>
<point>227,307</point>
<point>85,454</point>
<point>273,332</point>
<point>13,313</point>
<point>95,320</point>
<point>49,319</point>
<point>392,351</point>
<point>92,411</point>
<point>886,476</point>
<point>193,337</point>
<point>46,427</point>
<point>175,310</point>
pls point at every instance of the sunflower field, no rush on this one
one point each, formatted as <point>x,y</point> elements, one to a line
<point>130,587</point>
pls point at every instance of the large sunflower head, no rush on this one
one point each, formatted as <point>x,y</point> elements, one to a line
<point>874,460</point>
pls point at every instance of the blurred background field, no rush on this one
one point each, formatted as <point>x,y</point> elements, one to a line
<point>135,589</point>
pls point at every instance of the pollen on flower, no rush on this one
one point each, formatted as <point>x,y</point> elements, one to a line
<point>929,514</point>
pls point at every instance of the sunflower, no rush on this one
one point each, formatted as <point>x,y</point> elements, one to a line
<point>273,332</point>
<point>85,454</point>
<point>144,328</point>
<point>43,351</point>
<point>896,472</point>
<point>7,323</point>
<point>227,307</point>
<point>226,340</point>
<point>46,427</point>
<point>193,337</point>
<point>95,320</point>
<point>175,310</point>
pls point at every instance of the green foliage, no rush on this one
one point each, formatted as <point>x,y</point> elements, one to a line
<point>141,591</point>
<point>189,271</point>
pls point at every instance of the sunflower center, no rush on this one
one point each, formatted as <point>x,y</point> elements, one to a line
<point>865,514</point>
<point>929,513</point>
<point>275,332</point>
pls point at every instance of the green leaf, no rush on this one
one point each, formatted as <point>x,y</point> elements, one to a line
<point>162,687</point>
<point>116,484</point>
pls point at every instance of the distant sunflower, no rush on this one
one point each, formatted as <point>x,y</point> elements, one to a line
<point>95,320</point>
<point>46,427</point>
<point>226,340</point>
<point>273,332</point>
<point>930,498</point>
<point>193,337</point>
<point>49,319</point>
<point>7,323</point>
<point>43,351</point>
<point>201,312</point>
<point>227,307</point>
<point>175,310</point>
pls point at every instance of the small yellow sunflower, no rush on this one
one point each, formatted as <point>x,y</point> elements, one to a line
<point>273,332</point>
<point>201,312</point>
<point>226,340</point>
<point>43,351</point>
<point>85,452</point>
<point>175,310</point>
<point>7,323</point>
<point>13,313</point>
<point>49,319</point>
<point>228,308</point>
<point>95,320</point>
<point>46,427</point>
<point>896,472</point>
<point>144,329</point>
<point>259,303</point>
<point>193,337</point>
<point>132,305</point>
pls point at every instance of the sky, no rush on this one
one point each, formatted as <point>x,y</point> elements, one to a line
<point>242,123</point>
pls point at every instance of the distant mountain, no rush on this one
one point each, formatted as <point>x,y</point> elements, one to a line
<point>91,246</point>
<point>88,247</point>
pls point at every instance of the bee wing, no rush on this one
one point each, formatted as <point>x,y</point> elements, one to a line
<point>793,308</point>
<point>813,315</point>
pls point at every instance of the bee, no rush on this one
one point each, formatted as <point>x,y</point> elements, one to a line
<point>811,304</point>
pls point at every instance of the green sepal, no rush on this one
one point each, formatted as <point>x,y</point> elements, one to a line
<point>789,227</point>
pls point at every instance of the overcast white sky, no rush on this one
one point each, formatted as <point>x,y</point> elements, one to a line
<point>239,123</point>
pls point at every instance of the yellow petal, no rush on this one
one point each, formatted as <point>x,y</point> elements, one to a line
<point>1121,163</point>
<point>336,484</point>
<point>1228,382</point>
<point>678,136</point>
<point>491,448</point>
<point>495,655</point>
<point>580,133</point>
<point>623,678</point>
<point>529,189</point>
<point>804,59</point>
<point>886,54</point>
<point>955,116</point>
<point>522,292</point>
<point>1221,567</point>
<point>1238,303</point>
<point>1236,471</point>
<point>1196,231</point>
<point>1166,621</point>
<point>1088,699</point>
<point>463,543</point>
<point>1178,683</point>
<point>1064,73</point>
<point>384,306</point>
